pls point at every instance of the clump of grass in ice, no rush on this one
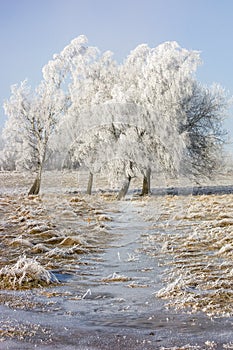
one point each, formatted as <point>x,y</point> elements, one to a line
<point>26,273</point>
<point>115,277</point>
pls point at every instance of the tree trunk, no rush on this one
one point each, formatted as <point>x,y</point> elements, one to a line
<point>35,189</point>
<point>124,188</point>
<point>90,183</point>
<point>146,183</point>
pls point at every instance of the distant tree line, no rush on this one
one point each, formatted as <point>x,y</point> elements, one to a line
<point>123,120</point>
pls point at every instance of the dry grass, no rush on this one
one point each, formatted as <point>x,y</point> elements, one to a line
<point>26,273</point>
<point>52,230</point>
<point>115,277</point>
<point>197,251</point>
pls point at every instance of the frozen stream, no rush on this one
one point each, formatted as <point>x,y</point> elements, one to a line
<point>111,259</point>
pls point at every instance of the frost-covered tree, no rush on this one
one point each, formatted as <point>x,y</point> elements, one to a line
<point>205,109</point>
<point>185,116</point>
<point>92,77</point>
<point>153,80</point>
<point>16,130</point>
<point>31,120</point>
<point>75,55</point>
<point>33,115</point>
<point>196,111</point>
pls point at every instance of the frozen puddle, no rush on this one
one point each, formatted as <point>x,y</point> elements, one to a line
<point>106,298</point>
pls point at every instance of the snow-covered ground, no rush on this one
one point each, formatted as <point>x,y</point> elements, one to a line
<point>90,272</point>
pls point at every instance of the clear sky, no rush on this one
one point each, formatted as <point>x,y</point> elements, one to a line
<point>31,31</point>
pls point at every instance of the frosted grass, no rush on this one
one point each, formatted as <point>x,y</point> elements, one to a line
<point>26,273</point>
<point>53,231</point>
<point>198,256</point>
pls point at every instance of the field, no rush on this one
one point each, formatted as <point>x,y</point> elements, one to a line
<point>91,272</point>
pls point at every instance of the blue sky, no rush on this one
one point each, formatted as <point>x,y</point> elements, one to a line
<point>33,30</point>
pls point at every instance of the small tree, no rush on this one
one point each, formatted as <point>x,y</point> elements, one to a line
<point>31,120</point>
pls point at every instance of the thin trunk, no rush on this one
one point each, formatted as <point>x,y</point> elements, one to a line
<point>124,188</point>
<point>90,183</point>
<point>146,183</point>
<point>35,189</point>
